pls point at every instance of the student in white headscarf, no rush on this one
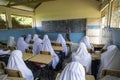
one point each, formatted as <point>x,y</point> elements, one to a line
<point>110,59</point>
<point>83,57</point>
<point>2,52</point>
<point>28,38</point>
<point>37,45</point>
<point>35,36</point>
<point>86,40</point>
<point>73,71</point>
<point>11,41</point>
<point>16,62</point>
<point>61,40</point>
<point>46,46</point>
<point>22,45</point>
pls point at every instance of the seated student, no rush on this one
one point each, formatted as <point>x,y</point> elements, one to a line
<point>83,57</point>
<point>16,62</point>
<point>36,46</point>
<point>46,46</point>
<point>109,59</point>
<point>11,41</point>
<point>35,36</point>
<point>28,38</point>
<point>2,52</point>
<point>61,40</point>
<point>73,71</point>
<point>22,45</point>
<point>106,45</point>
<point>86,41</point>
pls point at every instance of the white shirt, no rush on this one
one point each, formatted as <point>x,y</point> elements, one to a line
<point>11,41</point>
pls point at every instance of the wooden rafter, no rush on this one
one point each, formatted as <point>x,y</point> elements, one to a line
<point>28,2</point>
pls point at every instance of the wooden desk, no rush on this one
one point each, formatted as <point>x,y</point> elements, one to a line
<point>67,42</point>
<point>90,77</point>
<point>27,56</point>
<point>41,58</point>
<point>96,56</point>
<point>15,78</point>
<point>57,48</point>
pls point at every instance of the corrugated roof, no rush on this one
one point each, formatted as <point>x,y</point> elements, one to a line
<point>28,5</point>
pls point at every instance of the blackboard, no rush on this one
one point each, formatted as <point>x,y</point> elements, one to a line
<point>75,25</point>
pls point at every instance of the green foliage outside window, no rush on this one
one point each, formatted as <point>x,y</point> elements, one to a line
<point>21,21</point>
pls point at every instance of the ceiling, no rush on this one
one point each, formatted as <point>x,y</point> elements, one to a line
<point>28,5</point>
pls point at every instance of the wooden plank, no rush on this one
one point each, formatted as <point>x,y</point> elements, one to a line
<point>15,78</point>
<point>90,77</point>
<point>41,58</point>
<point>57,48</point>
<point>27,56</point>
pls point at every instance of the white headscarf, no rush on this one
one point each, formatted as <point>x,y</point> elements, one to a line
<point>16,62</point>
<point>35,36</point>
<point>28,38</point>
<point>36,46</point>
<point>110,59</point>
<point>4,52</point>
<point>73,71</point>
<point>48,47</point>
<point>83,57</point>
<point>87,42</point>
<point>107,44</point>
<point>11,41</point>
<point>61,40</point>
<point>21,44</point>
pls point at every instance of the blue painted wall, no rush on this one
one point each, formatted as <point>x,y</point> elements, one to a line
<point>113,35</point>
<point>4,34</point>
<point>75,37</point>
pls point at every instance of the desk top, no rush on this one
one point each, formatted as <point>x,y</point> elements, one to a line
<point>67,42</point>
<point>41,58</point>
<point>57,48</point>
<point>15,78</point>
<point>90,77</point>
<point>27,56</point>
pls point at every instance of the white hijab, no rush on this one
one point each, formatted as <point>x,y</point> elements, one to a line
<point>61,40</point>
<point>21,44</point>
<point>83,57</point>
<point>11,41</point>
<point>73,71</point>
<point>28,38</point>
<point>35,36</point>
<point>16,62</point>
<point>4,52</point>
<point>110,59</point>
<point>46,46</point>
<point>86,40</point>
<point>37,45</point>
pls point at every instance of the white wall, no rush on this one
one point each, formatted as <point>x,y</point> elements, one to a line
<point>67,9</point>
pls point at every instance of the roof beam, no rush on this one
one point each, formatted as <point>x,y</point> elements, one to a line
<point>28,2</point>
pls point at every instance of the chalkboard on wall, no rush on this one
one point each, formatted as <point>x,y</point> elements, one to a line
<point>75,25</point>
